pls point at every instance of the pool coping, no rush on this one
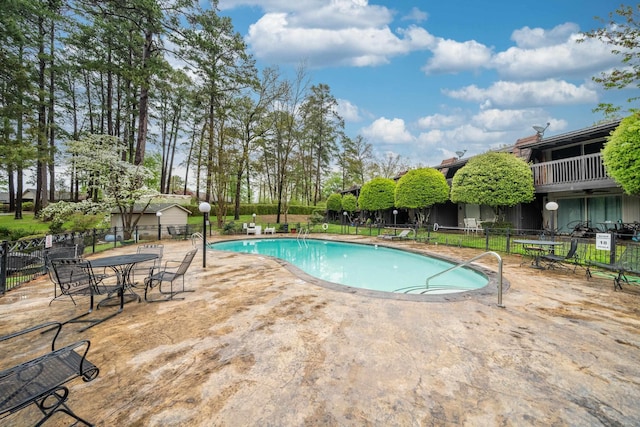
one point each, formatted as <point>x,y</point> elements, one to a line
<point>489,290</point>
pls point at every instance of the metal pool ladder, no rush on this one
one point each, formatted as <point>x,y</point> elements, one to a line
<point>462,264</point>
<point>303,233</point>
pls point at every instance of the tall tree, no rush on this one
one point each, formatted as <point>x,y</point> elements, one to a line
<point>217,55</point>
<point>622,32</point>
<point>250,115</point>
<point>280,147</point>
<point>357,158</point>
<point>322,127</point>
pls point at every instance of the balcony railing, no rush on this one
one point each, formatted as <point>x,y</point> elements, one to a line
<point>582,169</point>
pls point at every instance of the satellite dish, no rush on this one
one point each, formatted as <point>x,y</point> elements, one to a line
<point>540,130</point>
<point>460,153</point>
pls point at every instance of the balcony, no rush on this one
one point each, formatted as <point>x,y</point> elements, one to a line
<point>576,173</point>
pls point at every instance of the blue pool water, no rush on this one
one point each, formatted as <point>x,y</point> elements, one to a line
<point>362,266</point>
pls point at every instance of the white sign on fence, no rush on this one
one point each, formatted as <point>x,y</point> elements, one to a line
<point>603,241</point>
<point>48,241</point>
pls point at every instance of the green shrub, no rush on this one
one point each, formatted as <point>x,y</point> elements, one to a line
<point>81,222</point>
<point>230,228</point>
<point>316,218</point>
<point>14,234</point>
<point>27,206</point>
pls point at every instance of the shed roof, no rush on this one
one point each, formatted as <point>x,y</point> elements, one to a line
<point>153,208</point>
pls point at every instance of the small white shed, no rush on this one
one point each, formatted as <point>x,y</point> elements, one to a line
<point>171,214</point>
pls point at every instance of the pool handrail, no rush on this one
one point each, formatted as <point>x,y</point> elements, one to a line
<point>304,233</point>
<point>462,264</point>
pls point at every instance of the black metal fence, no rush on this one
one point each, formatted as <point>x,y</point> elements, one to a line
<point>503,240</point>
<point>23,260</point>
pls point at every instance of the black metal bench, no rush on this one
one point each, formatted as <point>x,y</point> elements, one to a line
<point>629,262</point>
<point>177,232</point>
<point>42,380</point>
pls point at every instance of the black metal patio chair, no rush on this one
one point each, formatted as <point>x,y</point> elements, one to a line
<point>75,278</point>
<point>60,252</point>
<point>563,261</point>
<point>173,271</point>
<point>145,269</point>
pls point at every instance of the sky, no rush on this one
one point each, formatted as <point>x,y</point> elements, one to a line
<point>426,79</point>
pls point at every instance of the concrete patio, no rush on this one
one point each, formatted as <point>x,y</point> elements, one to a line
<point>255,345</point>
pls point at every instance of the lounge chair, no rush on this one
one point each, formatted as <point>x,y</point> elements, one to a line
<point>553,260</point>
<point>471,224</point>
<point>403,235</point>
<point>251,228</point>
<point>629,262</point>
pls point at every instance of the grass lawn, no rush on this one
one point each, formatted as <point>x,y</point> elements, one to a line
<point>28,222</point>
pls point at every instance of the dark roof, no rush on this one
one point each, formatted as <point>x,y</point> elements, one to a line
<point>597,131</point>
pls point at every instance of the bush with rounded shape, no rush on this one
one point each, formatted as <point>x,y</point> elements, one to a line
<point>493,179</point>
<point>349,203</point>
<point>621,155</point>
<point>334,202</point>
<point>421,188</point>
<point>377,194</point>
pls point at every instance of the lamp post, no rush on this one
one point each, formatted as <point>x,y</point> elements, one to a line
<point>395,214</point>
<point>205,208</point>
<point>254,218</point>
<point>159,214</point>
<point>552,207</point>
<point>344,222</point>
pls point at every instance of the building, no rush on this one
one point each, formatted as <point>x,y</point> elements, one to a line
<point>567,169</point>
<point>163,214</point>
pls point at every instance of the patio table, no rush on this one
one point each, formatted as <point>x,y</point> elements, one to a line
<point>535,249</point>
<point>122,266</point>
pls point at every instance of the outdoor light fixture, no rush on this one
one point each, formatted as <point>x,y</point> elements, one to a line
<point>540,130</point>
<point>254,218</point>
<point>552,207</point>
<point>395,213</point>
<point>344,222</point>
<point>159,214</point>
<point>205,208</point>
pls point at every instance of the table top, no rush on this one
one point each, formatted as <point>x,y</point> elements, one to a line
<point>110,261</point>
<point>538,242</point>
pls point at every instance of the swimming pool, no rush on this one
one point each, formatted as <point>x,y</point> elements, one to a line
<point>372,267</point>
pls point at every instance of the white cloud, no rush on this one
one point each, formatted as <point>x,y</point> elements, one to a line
<point>450,56</point>
<point>348,111</point>
<point>390,131</point>
<point>569,59</point>
<point>274,38</point>
<point>492,120</point>
<point>335,33</point>
<point>273,5</point>
<point>461,135</point>
<point>530,38</point>
<point>436,121</point>
<point>416,15</point>
<point>530,94</point>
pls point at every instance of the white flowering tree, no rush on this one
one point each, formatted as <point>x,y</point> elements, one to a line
<point>116,183</point>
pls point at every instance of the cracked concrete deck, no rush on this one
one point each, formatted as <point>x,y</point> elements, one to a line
<point>255,345</point>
